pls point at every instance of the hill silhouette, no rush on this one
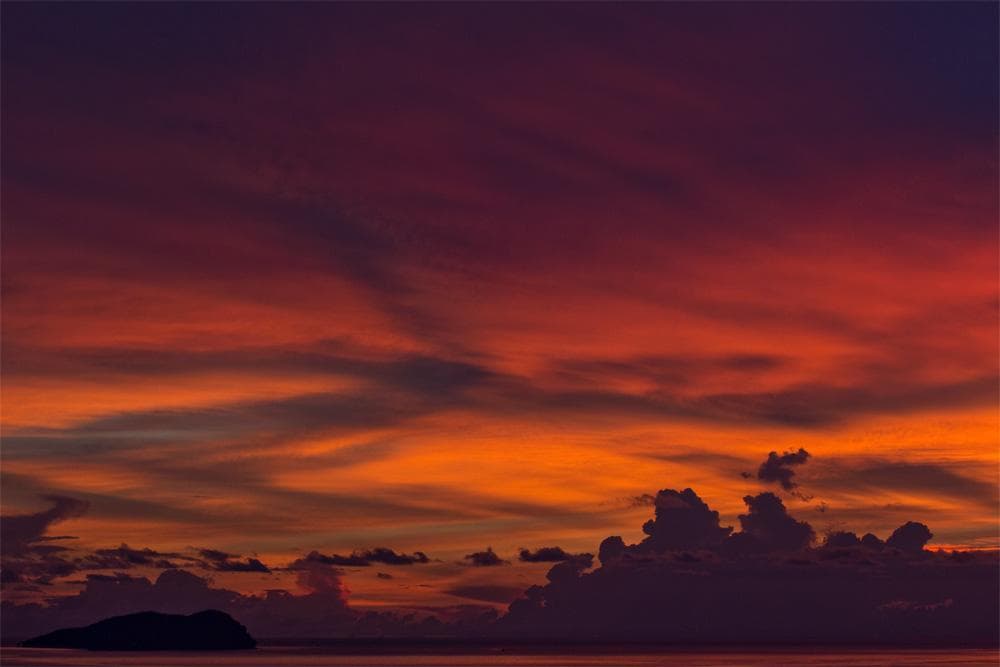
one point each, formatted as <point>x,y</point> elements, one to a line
<point>209,630</point>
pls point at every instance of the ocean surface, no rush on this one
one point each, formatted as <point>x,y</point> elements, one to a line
<point>317,657</point>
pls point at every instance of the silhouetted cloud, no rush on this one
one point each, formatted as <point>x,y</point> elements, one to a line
<point>910,537</point>
<point>486,558</point>
<point>769,527</point>
<point>763,584</point>
<point>124,557</point>
<point>547,555</point>
<point>569,569</point>
<point>690,580</point>
<point>682,520</point>
<point>612,548</point>
<point>25,553</point>
<point>778,468</point>
<point>20,531</point>
<point>226,562</point>
<point>365,558</point>
<point>841,539</point>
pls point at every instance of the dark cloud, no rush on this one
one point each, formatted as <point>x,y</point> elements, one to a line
<point>390,557</point>
<point>420,386</point>
<point>644,500</point>
<point>25,553</point>
<point>664,372</point>
<point>809,406</point>
<point>769,527</point>
<point>910,537</point>
<point>682,520</point>
<point>778,468</point>
<point>951,480</point>
<point>249,565</point>
<point>486,558</point>
<point>124,557</point>
<point>29,555</point>
<point>765,584</point>
<point>611,549</point>
<point>407,387</point>
<point>320,612</point>
<point>365,558</point>
<point>569,569</point>
<point>871,541</point>
<point>690,580</point>
<point>487,592</point>
<point>299,415</point>
<point>547,555</point>
<point>215,555</point>
<point>841,538</point>
<point>817,405</point>
<point>20,531</point>
<point>179,591</point>
<point>415,374</point>
<point>226,562</point>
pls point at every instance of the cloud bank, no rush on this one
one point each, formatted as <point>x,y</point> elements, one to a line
<point>690,580</point>
<point>694,581</point>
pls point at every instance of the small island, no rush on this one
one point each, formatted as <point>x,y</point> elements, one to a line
<point>209,630</point>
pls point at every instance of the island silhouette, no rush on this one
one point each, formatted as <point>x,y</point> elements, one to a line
<point>209,630</point>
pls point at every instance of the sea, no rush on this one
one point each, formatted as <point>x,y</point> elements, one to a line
<point>308,656</point>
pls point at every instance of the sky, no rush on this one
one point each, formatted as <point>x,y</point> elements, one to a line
<point>462,279</point>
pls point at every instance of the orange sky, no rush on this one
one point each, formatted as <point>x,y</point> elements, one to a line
<point>403,286</point>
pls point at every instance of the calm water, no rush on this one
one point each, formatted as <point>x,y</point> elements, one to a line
<point>265,657</point>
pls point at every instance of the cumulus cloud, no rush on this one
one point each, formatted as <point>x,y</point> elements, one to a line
<point>487,558</point>
<point>778,468</point>
<point>611,549</point>
<point>682,520</point>
<point>910,537</point>
<point>570,569</point>
<point>840,539</point>
<point>763,584</point>
<point>768,526</point>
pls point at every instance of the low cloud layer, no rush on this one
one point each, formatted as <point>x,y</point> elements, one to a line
<point>547,555</point>
<point>225,562</point>
<point>691,579</point>
<point>365,558</point>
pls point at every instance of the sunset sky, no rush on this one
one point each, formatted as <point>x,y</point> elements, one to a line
<point>438,278</point>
